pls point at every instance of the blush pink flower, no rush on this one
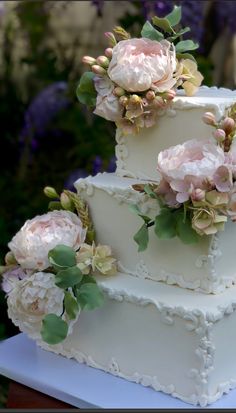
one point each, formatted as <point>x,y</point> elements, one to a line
<point>140,64</point>
<point>197,158</point>
<point>223,179</point>
<point>107,104</point>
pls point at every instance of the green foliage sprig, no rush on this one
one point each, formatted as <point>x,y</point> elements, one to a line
<point>81,292</point>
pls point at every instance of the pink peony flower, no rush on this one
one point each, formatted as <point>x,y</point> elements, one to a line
<point>107,104</point>
<point>197,158</point>
<point>140,64</point>
<point>39,235</point>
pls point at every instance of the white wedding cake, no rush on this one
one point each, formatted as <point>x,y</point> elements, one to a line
<point>168,318</point>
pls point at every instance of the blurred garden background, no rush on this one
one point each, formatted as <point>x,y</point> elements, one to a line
<point>47,136</point>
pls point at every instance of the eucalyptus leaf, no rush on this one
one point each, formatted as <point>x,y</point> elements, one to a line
<point>86,92</point>
<point>54,329</point>
<point>149,32</point>
<point>185,56</point>
<point>163,23</point>
<point>89,296</point>
<point>178,34</point>
<point>185,231</point>
<point>62,256</point>
<point>71,305</point>
<point>69,277</point>
<point>135,209</point>
<point>175,16</point>
<point>185,45</point>
<point>165,224</point>
<point>87,279</point>
<point>142,238</point>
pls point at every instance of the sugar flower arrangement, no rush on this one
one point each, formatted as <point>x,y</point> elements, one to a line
<point>137,77</point>
<point>49,272</point>
<point>197,190</point>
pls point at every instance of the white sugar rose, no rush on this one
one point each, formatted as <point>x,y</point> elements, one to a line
<point>140,64</point>
<point>107,104</point>
<point>39,235</point>
<point>199,159</point>
<point>31,299</point>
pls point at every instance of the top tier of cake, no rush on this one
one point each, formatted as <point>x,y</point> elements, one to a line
<point>137,154</point>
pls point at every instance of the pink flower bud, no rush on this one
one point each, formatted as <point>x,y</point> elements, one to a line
<point>88,60</point>
<point>118,91</point>
<point>209,118</point>
<point>103,61</point>
<point>123,100</point>
<point>228,125</point>
<point>98,70</point>
<point>219,135</point>
<point>135,99</point>
<point>158,102</point>
<point>111,38</point>
<point>170,94</point>
<point>108,52</point>
<point>150,95</point>
<point>198,195</point>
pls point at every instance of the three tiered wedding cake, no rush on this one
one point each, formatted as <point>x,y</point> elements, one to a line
<point>168,317</point>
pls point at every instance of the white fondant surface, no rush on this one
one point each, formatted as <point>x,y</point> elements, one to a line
<point>207,266</point>
<point>137,154</point>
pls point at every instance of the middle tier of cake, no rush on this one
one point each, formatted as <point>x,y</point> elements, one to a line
<point>208,266</point>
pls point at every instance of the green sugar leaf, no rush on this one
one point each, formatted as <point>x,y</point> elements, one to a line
<point>142,238</point>
<point>163,23</point>
<point>149,32</point>
<point>54,329</point>
<point>62,256</point>
<point>135,209</point>
<point>54,205</point>
<point>86,92</point>
<point>184,229</point>
<point>165,224</point>
<point>89,296</point>
<point>185,56</point>
<point>68,278</point>
<point>71,305</point>
<point>178,34</point>
<point>185,45</point>
<point>174,17</point>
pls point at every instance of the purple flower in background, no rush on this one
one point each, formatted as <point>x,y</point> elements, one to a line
<point>41,111</point>
<point>77,174</point>
<point>97,165</point>
<point>225,15</point>
<point>99,6</point>
<point>112,164</point>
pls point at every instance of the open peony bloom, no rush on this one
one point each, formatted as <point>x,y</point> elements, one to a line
<point>140,64</point>
<point>188,76</point>
<point>39,235</point>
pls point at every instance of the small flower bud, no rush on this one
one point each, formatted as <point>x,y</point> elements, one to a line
<point>228,125</point>
<point>150,95</point>
<point>135,99</point>
<point>103,61</point>
<point>118,91</point>
<point>219,135</point>
<point>123,100</point>
<point>65,201</point>
<point>10,258</point>
<point>98,70</point>
<point>169,95</point>
<point>88,60</point>
<point>50,192</point>
<point>111,38</point>
<point>198,195</point>
<point>108,52</point>
<point>158,102</point>
<point>209,118</point>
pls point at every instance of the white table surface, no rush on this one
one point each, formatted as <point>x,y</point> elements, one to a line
<point>79,385</point>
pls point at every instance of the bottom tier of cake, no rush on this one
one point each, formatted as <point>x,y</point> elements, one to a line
<point>177,341</point>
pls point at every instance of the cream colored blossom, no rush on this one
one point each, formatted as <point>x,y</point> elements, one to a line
<point>96,259</point>
<point>188,76</point>
<point>107,104</point>
<point>39,235</point>
<point>206,221</point>
<point>31,299</point>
